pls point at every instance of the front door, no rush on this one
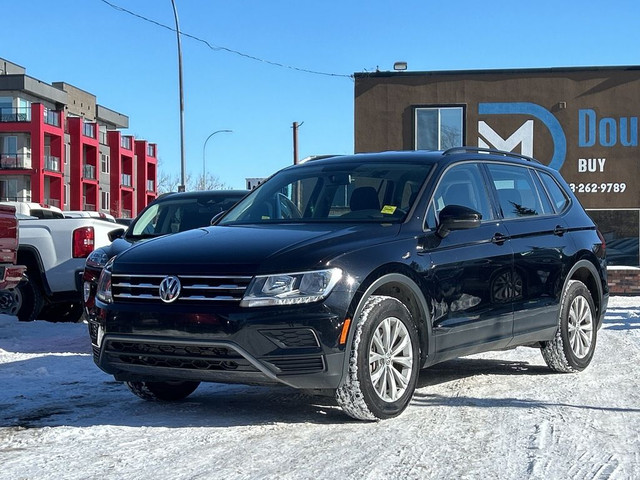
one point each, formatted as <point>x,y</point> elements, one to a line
<point>469,270</point>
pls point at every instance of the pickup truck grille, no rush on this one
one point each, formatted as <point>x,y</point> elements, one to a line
<point>194,288</point>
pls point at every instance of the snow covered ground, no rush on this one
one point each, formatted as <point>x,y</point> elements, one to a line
<point>499,415</point>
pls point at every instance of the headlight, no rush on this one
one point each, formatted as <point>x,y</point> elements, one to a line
<point>98,258</point>
<point>104,284</point>
<point>290,288</point>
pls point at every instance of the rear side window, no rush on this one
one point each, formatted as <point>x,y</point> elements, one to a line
<point>558,196</point>
<point>517,193</point>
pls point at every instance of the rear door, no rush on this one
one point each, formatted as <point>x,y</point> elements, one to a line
<point>540,246</point>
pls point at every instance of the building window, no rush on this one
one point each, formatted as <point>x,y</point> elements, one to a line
<point>104,200</point>
<point>621,231</point>
<point>67,153</point>
<point>66,194</point>
<point>9,191</point>
<point>104,163</point>
<point>438,128</point>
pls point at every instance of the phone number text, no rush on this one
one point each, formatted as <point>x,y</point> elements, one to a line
<point>598,187</point>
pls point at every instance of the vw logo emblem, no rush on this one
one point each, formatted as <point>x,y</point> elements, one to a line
<point>169,289</point>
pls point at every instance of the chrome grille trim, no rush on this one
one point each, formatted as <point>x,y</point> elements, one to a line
<point>195,288</point>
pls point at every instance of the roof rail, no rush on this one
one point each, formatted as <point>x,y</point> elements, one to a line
<point>488,150</point>
<point>318,157</point>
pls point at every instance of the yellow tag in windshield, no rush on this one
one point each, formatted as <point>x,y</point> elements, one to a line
<point>388,209</point>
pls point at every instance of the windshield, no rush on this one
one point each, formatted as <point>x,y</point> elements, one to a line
<point>179,214</point>
<point>348,192</point>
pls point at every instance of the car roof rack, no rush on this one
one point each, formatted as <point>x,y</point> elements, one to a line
<point>488,150</point>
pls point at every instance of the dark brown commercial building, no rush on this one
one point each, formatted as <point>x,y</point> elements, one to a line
<point>581,121</point>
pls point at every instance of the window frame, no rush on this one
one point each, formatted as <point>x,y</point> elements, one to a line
<point>439,107</point>
<point>536,185</point>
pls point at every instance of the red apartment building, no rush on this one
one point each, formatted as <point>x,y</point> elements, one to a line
<point>59,147</point>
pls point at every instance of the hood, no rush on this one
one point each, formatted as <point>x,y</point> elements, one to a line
<point>250,249</point>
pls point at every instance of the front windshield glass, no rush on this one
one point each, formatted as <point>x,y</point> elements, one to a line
<point>179,214</point>
<point>348,192</point>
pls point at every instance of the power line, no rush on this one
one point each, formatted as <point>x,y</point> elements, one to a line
<point>217,48</point>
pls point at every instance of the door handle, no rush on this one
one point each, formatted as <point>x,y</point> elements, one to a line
<point>559,231</point>
<point>499,238</point>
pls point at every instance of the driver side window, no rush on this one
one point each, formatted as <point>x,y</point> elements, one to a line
<point>460,185</point>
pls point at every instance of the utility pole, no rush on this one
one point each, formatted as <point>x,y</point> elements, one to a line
<point>183,166</point>
<point>295,127</point>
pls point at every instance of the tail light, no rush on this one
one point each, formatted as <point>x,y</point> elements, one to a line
<point>83,242</point>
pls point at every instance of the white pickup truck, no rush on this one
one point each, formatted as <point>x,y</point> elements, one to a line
<point>54,251</point>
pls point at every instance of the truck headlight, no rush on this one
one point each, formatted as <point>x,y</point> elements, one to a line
<point>290,288</point>
<point>97,259</point>
<point>104,284</point>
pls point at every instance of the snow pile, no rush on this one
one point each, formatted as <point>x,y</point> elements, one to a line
<point>497,415</point>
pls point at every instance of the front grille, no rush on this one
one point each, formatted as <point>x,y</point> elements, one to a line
<point>299,364</point>
<point>96,353</point>
<point>185,356</point>
<point>292,337</point>
<point>93,332</point>
<point>195,288</point>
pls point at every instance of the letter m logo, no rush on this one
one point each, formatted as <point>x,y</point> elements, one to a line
<point>488,138</point>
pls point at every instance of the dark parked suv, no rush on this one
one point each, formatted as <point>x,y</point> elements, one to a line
<point>349,274</point>
<point>170,213</point>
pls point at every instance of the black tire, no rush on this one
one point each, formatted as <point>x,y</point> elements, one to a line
<point>31,300</point>
<point>163,391</point>
<point>380,385</point>
<point>10,301</point>
<point>571,350</point>
<point>63,312</point>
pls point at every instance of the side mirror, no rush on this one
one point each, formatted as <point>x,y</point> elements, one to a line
<point>117,233</point>
<point>457,217</point>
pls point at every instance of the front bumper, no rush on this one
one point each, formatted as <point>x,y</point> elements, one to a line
<point>296,346</point>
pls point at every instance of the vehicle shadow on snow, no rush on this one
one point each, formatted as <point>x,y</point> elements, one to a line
<point>461,368</point>
<point>69,390</point>
<point>622,318</point>
<point>470,367</point>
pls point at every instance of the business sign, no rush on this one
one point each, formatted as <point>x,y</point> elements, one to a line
<point>595,150</point>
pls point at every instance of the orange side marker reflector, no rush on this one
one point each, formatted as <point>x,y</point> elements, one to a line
<point>345,331</point>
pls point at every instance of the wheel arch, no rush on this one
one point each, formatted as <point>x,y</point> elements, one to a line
<point>585,271</point>
<point>400,282</point>
<point>30,257</point>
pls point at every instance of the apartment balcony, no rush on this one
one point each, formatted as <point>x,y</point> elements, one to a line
<point>15,114</point>
<point>125,213</point>
<point>23,198</point>
<point>125,142</point>
<point>151,150</point>
<point>52,117</point>
<point>89,172</point>
<point>54,202</point>
<point>89,207</point>
<point>125,180</point>
<point>151,187</point>
<point>52,163</point>
<point>15,161</point>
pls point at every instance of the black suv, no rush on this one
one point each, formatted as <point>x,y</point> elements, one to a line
<point>349,274</point>
<point>169,213</point>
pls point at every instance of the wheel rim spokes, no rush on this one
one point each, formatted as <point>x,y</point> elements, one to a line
<point>390,359</point>
<point>580,327</point>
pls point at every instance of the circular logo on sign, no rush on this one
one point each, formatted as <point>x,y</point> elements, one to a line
<point>170,288</point>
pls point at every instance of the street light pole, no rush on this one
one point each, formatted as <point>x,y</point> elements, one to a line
<point>204,170</point>
<point>183,167</point>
